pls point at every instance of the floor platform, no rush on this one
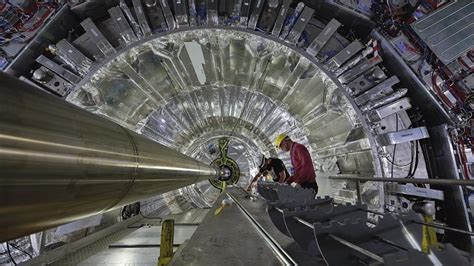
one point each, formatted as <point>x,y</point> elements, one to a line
<point>242,234</point>
<point>135,244</point>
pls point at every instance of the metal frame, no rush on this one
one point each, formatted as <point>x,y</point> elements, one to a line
<point>377,161</point>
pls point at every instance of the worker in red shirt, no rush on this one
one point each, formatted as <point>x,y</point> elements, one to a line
<point>304,174</point>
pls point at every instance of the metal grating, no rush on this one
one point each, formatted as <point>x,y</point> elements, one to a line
<point>449,31</point>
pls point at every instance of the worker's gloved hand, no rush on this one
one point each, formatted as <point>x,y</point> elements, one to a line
<point>295,184</point>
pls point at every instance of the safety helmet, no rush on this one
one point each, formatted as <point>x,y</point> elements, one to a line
<point>279,139</point>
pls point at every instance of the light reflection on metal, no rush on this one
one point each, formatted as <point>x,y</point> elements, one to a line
<point>248,76</point>
<point>278,52</point>
<point>59,164</point>
<point>414,244</point>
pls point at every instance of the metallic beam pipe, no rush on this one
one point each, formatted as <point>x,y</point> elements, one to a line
<point>59,163</point>
<point>446,182</point>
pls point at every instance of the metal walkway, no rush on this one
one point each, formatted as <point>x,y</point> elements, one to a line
<point>242,234</point>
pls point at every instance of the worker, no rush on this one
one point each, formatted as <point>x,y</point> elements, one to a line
<point>273,165</point>
<point>304,174</point>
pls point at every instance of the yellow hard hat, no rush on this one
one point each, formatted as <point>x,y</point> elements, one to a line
<point>279,139</point>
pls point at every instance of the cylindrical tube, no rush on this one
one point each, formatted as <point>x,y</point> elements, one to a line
<point>59,163</point>
<point>443,182</point>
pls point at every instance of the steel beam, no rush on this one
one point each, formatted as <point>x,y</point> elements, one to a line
<point>59,163</point>
<point>443,182</point>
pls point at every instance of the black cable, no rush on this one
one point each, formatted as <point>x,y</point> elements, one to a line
<point>393,156</point>
<point>395,146</point>
<point>21,250</point>
<point>414,157</point>
<point>10,254</point>
<point>416,160</point>
<point>411,159</point>
<point>398,165</point>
